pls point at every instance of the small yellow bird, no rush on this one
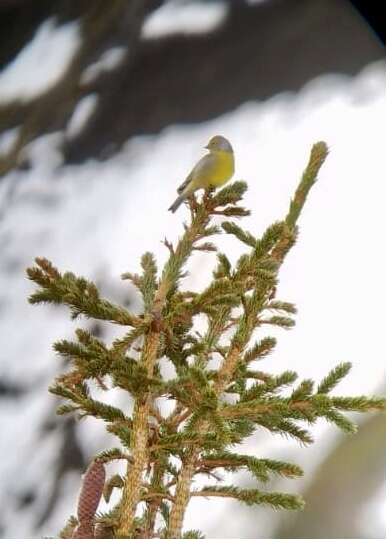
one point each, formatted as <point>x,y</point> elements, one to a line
<point>212,170</point>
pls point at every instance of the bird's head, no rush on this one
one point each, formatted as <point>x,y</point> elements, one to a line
<point>219,144</point>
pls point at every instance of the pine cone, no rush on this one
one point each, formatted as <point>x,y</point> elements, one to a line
<point>84,531</point>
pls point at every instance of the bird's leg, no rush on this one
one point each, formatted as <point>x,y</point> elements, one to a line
<point>207,195</point>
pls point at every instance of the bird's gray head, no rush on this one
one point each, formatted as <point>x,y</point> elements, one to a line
<point>219,144</point>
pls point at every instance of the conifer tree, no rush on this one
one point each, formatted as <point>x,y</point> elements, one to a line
<point>215,408</point>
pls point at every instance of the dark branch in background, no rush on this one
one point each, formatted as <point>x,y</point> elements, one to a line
<point>102,26</point>
<point>70,458</point>
<point>261,49</point>
<point>19,20</point>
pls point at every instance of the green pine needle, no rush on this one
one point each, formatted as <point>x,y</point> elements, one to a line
<point>334,377</point>
<point>193,534</point>
<point>276,500</point>
<point>242,235</point>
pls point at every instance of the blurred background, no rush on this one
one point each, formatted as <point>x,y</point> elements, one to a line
<point>104,108</point>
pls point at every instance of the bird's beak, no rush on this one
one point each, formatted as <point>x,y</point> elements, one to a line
<point>207,147</point>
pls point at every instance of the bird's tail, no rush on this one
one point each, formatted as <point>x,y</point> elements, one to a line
<point>177,203</point>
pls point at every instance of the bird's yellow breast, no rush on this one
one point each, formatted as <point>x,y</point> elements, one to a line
<point>214,170</point>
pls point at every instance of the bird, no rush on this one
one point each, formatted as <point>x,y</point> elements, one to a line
<point>213,170</point>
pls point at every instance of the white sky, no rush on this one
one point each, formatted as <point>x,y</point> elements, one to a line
<point>98,218</point>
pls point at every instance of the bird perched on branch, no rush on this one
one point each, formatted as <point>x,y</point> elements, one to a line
<point>212,170</point>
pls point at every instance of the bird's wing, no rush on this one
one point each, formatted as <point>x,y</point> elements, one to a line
<point>202,169</point>
<point>184,184</point>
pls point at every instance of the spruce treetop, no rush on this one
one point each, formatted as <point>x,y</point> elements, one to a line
<point>215,408</point>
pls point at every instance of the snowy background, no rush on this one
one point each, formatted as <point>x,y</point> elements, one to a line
<point>97,218</point>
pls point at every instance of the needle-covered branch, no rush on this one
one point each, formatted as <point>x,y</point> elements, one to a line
<point>220,396</point>
<point>277,500</point>
<point>80,295</point>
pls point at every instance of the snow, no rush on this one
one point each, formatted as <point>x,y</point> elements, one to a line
<point>184,17</point>
<point>82,113</point>
<point>42,62</point>
<point>108,61</point>
<point>96,219</point>
<point>8,139</point>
